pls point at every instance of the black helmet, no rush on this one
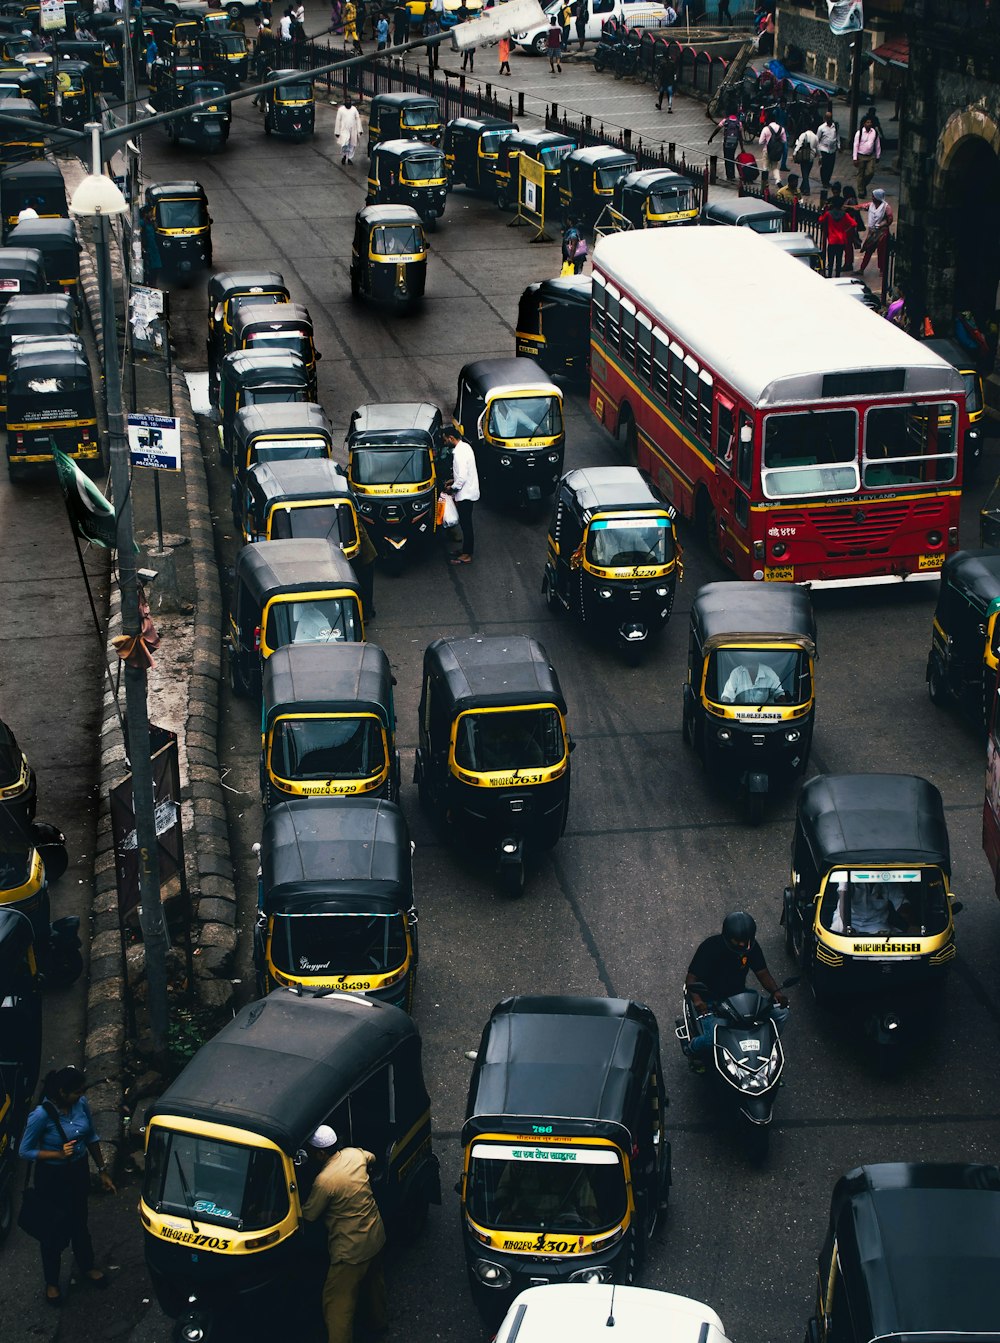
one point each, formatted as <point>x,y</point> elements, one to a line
<point>739,929</point>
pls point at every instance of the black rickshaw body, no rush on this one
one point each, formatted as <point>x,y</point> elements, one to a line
<point>745,212</point>
<point>512,415</point>
<point>17,81</point>
<point>389,255</point>
<point>657,198</point>
<point>553,326</point>
<point>471,148</point>
<point>24,889</point>
<point>492,763</point>
<point>206,126</point>
<point>399,116</point>
<point>975,404</point>
<point>549,148</point>
<point>178,214</point>
<point>246,1105</point>
<point>588,181</point>
<point>910,1253</point>
<point>226,56</point>
<point>289,592</point>
<point>50,404</point>
<point>408,172</point>
<point>16,145</point>
<point>57,241</point>
<point>394,452</point>
<point>335,899</point>
<point>225,288</point>
<point>174,32</point>
<point>290,109</point>
<point>328,726</point>
<point>859,838</point>
<point>20,1047</point>
<point>219,21</point>
<point>272,434</point>
<point>37,185</point>
<point>613,556</point>
<point>15,47</point>
<point>285,327</point>
<point>965,635</point>
<point>256,378</point>
<point>286,500</point>
<point>565,1154</point>
<point>22,271</point>
<point>32,315</point>
<point>18,788</point>
<point>753,733</point>
<point>102,61</point>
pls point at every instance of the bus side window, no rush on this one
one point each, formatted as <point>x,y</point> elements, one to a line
<point>691,392</point>
<point>644,357</point>
<point>597,306</point>
<point>705,406</point>
<point>661,358</point>
<point>613,311</point>
<point>628,333</point>
<point>725,434</point>
<point>676,377</point>
<point>744,470</point>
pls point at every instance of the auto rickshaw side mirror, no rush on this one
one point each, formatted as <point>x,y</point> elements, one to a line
<point>393,680</point>
<point>956,906</point>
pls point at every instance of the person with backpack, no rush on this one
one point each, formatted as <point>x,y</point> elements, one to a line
<point>774,143</point>
<point>732,142</point>
<point>668,78</point>
<point>805,151</point>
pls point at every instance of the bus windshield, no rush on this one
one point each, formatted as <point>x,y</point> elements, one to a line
<point>338,944</point>
<point>391,466</point>
<point>910,445</point>
<point>546,1188</point>
<point>323,620</point>
<point>224,1183</point>
<point>514,417</point>
<point>890,902</point>
<point>423,168</point>
<point>618,543</point>
<point>327,748</point>
<point>973,392</point>
<point>509,739</point>
<point>333,521</point>
<point>813,452</point>
<point>741,676</point>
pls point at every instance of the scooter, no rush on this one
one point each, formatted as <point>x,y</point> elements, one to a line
<point>746,1060</point>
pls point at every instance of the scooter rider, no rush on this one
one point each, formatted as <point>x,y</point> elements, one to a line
<point>720,966</point>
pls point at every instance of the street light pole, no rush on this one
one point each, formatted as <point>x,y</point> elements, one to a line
<point>136,710</point>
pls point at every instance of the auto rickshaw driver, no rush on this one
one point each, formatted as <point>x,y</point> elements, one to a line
<point>719,969</point>
<point>872,907</point>
<point>752,682</point>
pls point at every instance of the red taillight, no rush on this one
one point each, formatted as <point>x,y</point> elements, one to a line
<point>256,637</point>
<point>86,435</point>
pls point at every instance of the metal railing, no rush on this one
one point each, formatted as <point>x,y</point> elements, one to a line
<point>663,155</point>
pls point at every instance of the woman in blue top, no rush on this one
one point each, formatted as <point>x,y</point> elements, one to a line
<point>57,1137</point>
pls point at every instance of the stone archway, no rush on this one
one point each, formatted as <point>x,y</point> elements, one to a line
<point>965,253</point>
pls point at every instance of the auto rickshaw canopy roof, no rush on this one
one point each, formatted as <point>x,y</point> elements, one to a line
<point>60,358</point>
<point>295,418</point>
<point>537,139</point>
<point>647,180</point>
<point>293,481</point>
<point>304,564</point>
<point>373,215</point>
<point>26,264</point>
<point>38,176</point>
<point>574,290</point>
<point>871,819</point>
<point>169,191</point>
<point>497,671</point>
<point>492,375</point>
<point>399,101</point>
<point>23,109</point>
<point>724,613</point>
<point>480,124</point>
<point>283,1064</point>
<point>262,368</point>
<point>563,1056</point>
<point>327,678</point>
<point>976,573</point>
<point>354,851</point>
<point>612,489</point>
<point>37,314</point>
<point>10,757</point>
<point>270,316</point>
<point>224,283</point>
<point>393,422</point>
<point>919,1249</point>
<point>951,351</point>
<point>53,237</point>
<point>404,150</point>
<point>598,156</point>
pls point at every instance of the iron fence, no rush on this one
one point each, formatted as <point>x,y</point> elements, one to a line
<point>662,155</point>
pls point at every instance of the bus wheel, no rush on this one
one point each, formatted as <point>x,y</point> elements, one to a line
<point>628,439</point>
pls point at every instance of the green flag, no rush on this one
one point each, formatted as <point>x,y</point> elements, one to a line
<point>91,516</point>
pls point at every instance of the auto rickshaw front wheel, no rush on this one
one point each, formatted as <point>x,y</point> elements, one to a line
<point>236,683</point>
<point>935,684</point>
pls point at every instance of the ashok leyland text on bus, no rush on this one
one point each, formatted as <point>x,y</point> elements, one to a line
<point>821,446</point>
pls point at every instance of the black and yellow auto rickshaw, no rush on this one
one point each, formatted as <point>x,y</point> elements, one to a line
<point>565,1155</point>
<point>293,431</point>
<point>655,198</point>
<point>288,592</point>
<point>22,271</point>
<point>404,116</point>
<point>225,1173</point>
<point>37,185</point>
<point>589,178</point>
<point>492,762</point>
<point>17,81</point>
<point>328,726</point>
<point>20,1048</point>
<point>32,315</point>
<point>282,327</point>
<point>613,555</point>
<point>176,33</point>
<point>182,227</point>
<point>393,453</point>
<point>975,406</point>
<point>18,787</point>
<point>285,500</point>
<point>549,148</point>
<point>225,55</point>
<point>335,899</point>
<point>749,697</point>
<point>76,85</point>
<point>389,255</point>
<point>50,404</point>
<point>18,142</point>
<point>965,636</point>
<point>206,124</point>
<point>471,148</point>
<point>257,378</point>
<point>512,415</point>
<point>57,241</point>
<point>23,885</point>
<point>290,109</point>
<point>408,172</point>
<point>553,326</point>
<point>103,61</point>
<point>868,913</point>
<point>912,1251</point>
<point>227,289</point>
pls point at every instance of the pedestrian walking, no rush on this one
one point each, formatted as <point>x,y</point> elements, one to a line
<point>582,19</point>
<point>553,45</point>
<point>462,15</point>
<point>503,54</point>
<point>464,489</point>
<point>285,26</point>
<point>349,16</point>
<point>152,51</point>
<point>867,152</point>
<point>571,236</point>
<point>668,78</point>
<point>732,142</point>
<point>879,223</point>
<point>342,1196</point>
<point>432,26</point>
<point>774,143</point>
<point>400,24</point>
<point>828,140</point>
<point>566,18</point>
<point>805,150</point>
<point>347,129</point>
<point>839,226</point>
<point>853,212</point>
<point>381,32</point>
<point>57,1137</point>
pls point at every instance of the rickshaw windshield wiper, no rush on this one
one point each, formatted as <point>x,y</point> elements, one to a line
<point>186,1191</point>
<point>410,457</point>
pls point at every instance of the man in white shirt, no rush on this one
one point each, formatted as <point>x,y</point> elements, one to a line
<point>464,489</point>
<point>285,27</point>
<point>751,684</point>
<point>828,138</point>
<point>867,152</point>
<point>806,149</point>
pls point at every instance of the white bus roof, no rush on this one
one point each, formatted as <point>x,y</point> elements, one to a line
<point>580,1311</point>
<point>758,318</point>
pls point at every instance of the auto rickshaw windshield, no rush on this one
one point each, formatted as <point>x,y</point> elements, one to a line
<point>294,93</point>
<point>391,466</point>
<point>298,342</point>
<point>616,543</point>
<point>202,92</point>
<point>671,202</point>
<point>333,521</point>
<point>181,214</point>
<point>764,224</point>
<point>224,1183</point>
<point>323,620</point>
<point>553,155</point>
<point>16,860</point>
<point>524,1188</point>
<point>422,168</point>
<point>741,676</point>
<point>525,417</point>
<point>887,901</point>
<point>492,140</point>
<point>70,82</point>
<point>338,944</point>
<point>606,178</point>
<point>234,43</point>
<point>397,240</point>
<point>272,396</point>
<point>414,117</point>
<point>509,739</point>
<point>328,748</point>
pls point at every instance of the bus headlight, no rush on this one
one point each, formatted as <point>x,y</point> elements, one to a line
<point>491,1275</point>
<point>934,538</point>
<point>778,549</point>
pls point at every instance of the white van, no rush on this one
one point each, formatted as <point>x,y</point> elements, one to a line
<point>636,13</point>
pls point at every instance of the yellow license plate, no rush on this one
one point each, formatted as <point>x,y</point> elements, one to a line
<point>780,573</point>
<point>930,561</point>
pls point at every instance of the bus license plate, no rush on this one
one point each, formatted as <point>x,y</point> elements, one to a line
<point>780,573</point>
<point>930,561</point>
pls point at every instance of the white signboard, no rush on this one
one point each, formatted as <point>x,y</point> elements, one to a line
<point>502,20</point>
<point>155,441</point>
<point>53,16</point>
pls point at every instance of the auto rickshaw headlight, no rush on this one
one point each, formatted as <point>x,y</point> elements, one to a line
<point>792,734</point>
<point>192,1332</point>
<point>553,456</point>
<point>596,1273</point>
<point>724,734</point>
<point>505,461</point>
<point>663,592</point>
<point>491,1275</point>
<point>420,507</point>
<point>604,592</point>
<point>365,507</point>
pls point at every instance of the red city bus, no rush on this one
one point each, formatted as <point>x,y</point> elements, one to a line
<point>810,440</point>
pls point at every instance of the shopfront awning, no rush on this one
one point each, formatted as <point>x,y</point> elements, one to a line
<point>895,53</point>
